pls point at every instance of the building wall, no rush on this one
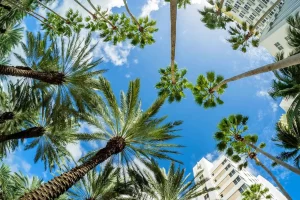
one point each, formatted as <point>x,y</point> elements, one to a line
<point>231,185</point>
<point>276,31</point>
<point>251,11</point>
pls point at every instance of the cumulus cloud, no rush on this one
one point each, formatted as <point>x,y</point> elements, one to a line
<point>212,156</point>
<point>135,61</point>
<point>150,6</point>
<point>75,149</point>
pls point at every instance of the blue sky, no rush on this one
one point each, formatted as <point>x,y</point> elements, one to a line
<point>199,50</point>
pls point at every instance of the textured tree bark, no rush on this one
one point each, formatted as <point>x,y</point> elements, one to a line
<point>173,13</point>
<point>28,133</point>
<point>6,116</point>
<point>280,162</point>
<point>274,178</point>
<point>55,78</point>
<point>287,62</point>
<point>59,185</point>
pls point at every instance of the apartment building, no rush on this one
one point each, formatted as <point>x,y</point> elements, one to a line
<point>231,182</point>
<point>251,11</point>
<point>274,37</point>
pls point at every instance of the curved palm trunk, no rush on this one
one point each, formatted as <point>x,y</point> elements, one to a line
<point>221,6</point>
<point>28,133</point>
<point>55,78</point>
<point>173,13</point>
<point>274,178</point>
<point>280,162</point>
<point>58,185</point>
<point>6,116</point>
<point>266,14</point>
<point>39,2</point>
<point>287,62</point>
<point>132,17</point>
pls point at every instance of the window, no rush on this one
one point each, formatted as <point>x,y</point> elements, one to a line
<point>279,46</point>
<point>232,173</point>
<point>254,14</point>
<point>201,177</point>
<point>224,161</point>
<point>212,174</point>
<point>236,6</point>
<point>257,9</point>
<point>266,1</point>
<point>221,195</point>
<point>247,6</point>
<point>227,167</point>
<point>241,15</point>
<point>242,188</point>
<point>237,180</point>
<point>251,17</point>
<point>206,196</point>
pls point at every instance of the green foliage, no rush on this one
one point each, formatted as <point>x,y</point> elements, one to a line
<point>71,59</point>
<point>171,185</point>
<point>113,28</point>
<point>174,91</point>
<point>257,192</point>
<point>14,185</point>
<point>203,93</point>
<point>145,135</point>
<point>242,36</point>
<point>294,32</point>
<point>214,18</point>
<point>288,138</point>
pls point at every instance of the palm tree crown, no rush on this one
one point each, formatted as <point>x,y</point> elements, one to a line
<point>256,192</point>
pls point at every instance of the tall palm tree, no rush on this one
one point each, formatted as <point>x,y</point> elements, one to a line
<point>231,130</point>
<point>173,17</point>
<point>181,3</point>
<point>214,17</point>
<point>202,90</point>
<point>286,85</point>
<point>240,152</point>
<point>256,192</point>
<point>290,61</point>
<point>294,32</point>
<point>14,185</point>
<point>288,138</point>
<point>97,185</point>
<point>166,87</point>
<point>60,72</point>
<point>241,35</point>
<point>130,132</point>
<point>173,185</point>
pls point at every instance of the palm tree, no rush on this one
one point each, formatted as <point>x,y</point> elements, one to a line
<point>256,192</point>
<point>214,18</point>
<point>173,17</point>
<point>290,61</point>
<point>172,185</point>
<point>286,85</point>
<point>14,185</point>
<point>130,132</point>
<point>202,90</point>
<point>181,3</point>
<point>166,87</point>
<point>293,32</point>
<point>231,130</point>
<point>240,151</point>
<point>97,185</point>
<point>288,137</point>
<point>241,35</point>
<point>60,72</point>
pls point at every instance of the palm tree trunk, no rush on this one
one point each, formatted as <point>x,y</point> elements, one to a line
<point>221,6</point>
<point>173,13</point>
<point>33,132</point>
<point>266,14</point>
<point>57,186</point>
<point>132,17</point>
<point>55,78</point>
<point>280,162</point>
<point>39,2</point>
<point>6,116</point>
<point>290,61</point>
<point>274,178</point>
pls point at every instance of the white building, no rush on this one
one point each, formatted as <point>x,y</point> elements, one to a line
<point>251,11</point>
<point>274,37</point>
<point>223,173</point>
<point>285,104</point>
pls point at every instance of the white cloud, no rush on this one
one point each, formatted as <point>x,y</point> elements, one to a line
<point>212,156</point>
<point>76,150</point>
<point>127,75</point>
<point>93,144</point>
<point>151,5</point>
<point>274,106</point>
<point>26,166</point>
<point>136,61</point>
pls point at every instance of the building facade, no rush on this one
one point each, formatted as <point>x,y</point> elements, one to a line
<point>251,11</point>
<point>223,173</point>
<point>274,37</point>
